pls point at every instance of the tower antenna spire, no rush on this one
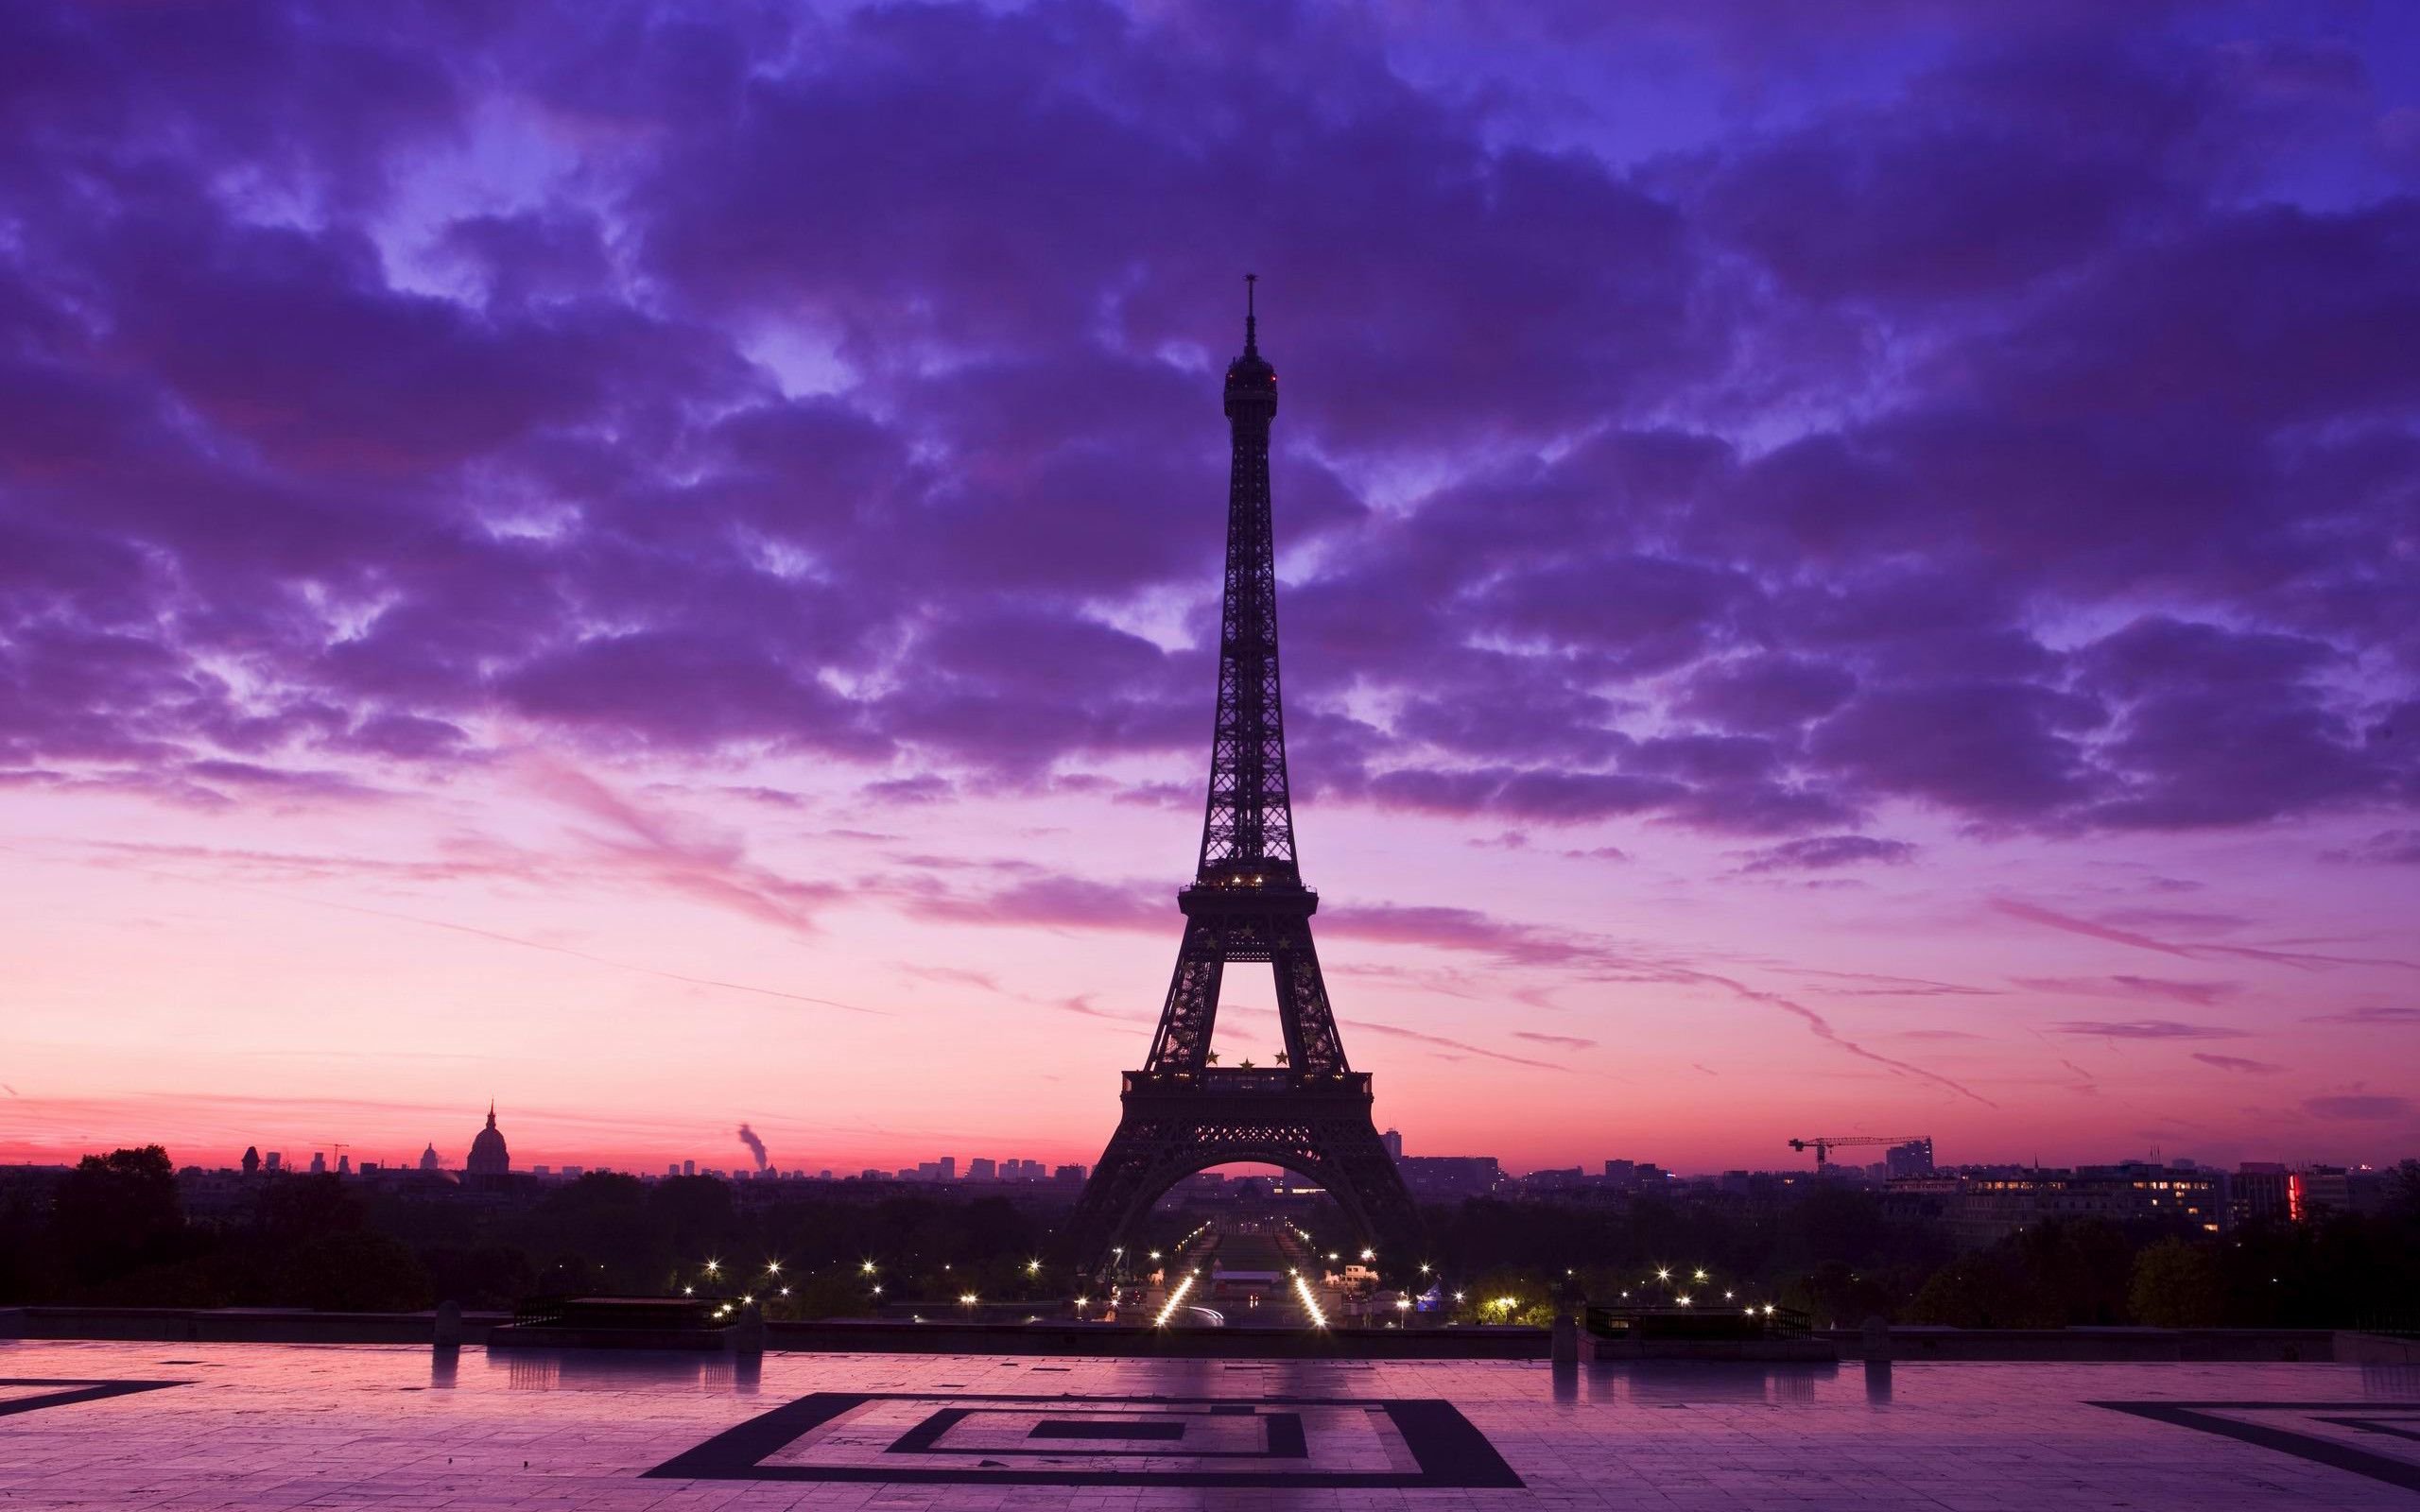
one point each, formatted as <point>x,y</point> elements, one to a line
<point>1251,318</point>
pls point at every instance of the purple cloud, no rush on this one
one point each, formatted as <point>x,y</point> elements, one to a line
<point>1823,852</point>
<point>1746,474</point>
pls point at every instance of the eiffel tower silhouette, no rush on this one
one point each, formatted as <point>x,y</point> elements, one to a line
<point>1310,1114</point>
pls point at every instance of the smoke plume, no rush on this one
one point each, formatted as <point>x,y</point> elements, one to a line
<point>755,1145</point>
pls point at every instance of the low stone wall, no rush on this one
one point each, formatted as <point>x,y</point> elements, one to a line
<point>2376,1349</point>
<point>884,1337</point>
<point>235,1324</point>
<point>1914,1345</point>
<point>1918,1345</point>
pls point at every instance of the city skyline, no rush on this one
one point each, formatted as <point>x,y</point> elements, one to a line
<point>1839,595</point>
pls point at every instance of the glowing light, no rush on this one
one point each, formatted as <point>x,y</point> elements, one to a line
<point>1698,1275</point>
<point>1032,1266</point>
<point>966,1299</point>
<point>1310,1303</point>
<point>865,1267</point>
<point>1684,1301</point>
<point>1176,1299</point>
<point>1369,1254</point>
<point>713,1266</point>
<point>1663,1275</point>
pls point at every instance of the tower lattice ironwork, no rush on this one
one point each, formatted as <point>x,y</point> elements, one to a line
<point>1311,1112</point>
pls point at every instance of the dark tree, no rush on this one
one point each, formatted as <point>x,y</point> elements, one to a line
<point>116,1213</point>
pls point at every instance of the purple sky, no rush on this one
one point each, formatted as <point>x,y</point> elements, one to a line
<point>1847,568</point>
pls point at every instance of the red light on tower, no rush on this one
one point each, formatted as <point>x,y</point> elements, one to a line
<point>2294,1198</point>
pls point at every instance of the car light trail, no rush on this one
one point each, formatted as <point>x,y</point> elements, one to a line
<point>1176,1299</point>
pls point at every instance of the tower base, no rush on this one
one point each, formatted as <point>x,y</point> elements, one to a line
<point>1315,1125</point>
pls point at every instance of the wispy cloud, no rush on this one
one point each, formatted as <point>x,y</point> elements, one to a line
<point>2199,993</point>
<point>1563,1041</point>
<point>2358,1106</point>
<point>2145,1029</point>
<point>2016,908</point>
<point>2237,1063</point>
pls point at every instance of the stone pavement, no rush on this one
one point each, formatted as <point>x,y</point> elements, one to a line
<point>197,1427</point>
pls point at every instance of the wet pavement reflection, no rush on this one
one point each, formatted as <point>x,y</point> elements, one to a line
<point>218,1428</point>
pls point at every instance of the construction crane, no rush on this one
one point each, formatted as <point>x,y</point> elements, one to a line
<point>1824,1147</point>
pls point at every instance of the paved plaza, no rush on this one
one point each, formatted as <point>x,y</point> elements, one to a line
<point>268,1426</point>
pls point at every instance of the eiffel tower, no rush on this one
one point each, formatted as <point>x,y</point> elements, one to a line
<point>1310,1113</point>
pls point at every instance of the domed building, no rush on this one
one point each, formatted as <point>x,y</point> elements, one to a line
<point>429,1160</point>
<point>488,1164</point>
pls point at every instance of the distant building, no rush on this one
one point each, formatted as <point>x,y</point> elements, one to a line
<point>2326,1189</point>
<point>2264,1192</point>
<point>981,1169</point>
<point>251,1160</point>
<point>949,1168</point>
<point>1070,1175</point>
<point>1911,1159</point>
<point>429,1160</point>
<point>1621,1172</point>
<point>319,1162</point>
<point>1450,1175</point>
<point>674,1169</point>
<point>688,1168</point>
<point>1563,1179</point>
<point>1990,1205</point>
<point>344,1165</point>
<point>1392,1141</point>
<point>274,1161</point>
<point>490,1165</point>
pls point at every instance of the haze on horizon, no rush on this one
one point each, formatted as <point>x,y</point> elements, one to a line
<point>659,563</point>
